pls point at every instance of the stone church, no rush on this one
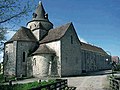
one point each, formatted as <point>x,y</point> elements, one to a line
<point>40,50</point>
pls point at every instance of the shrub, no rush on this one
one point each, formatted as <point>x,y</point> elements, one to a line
<point>117,67</point>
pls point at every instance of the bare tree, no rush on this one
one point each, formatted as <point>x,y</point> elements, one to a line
<point>13,11</point>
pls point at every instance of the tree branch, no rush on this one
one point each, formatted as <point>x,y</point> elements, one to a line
<point>12,17</point>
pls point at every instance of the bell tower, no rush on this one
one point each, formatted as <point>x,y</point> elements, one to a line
<point>40,24</point>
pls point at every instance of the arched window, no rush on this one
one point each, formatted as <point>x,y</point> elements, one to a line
<point>34,61</point>
<point>23,56</point>
<point>34,15</point>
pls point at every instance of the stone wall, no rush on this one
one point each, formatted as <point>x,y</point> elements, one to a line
<point>33,25</point>
<point>56,46</point>
<point>22,65</point>
<point>41,65</point>
<point>94,61</point>
<point>39,28</point>
<point>70,54</point>
<point>10,58</point>
<point>37,24</point>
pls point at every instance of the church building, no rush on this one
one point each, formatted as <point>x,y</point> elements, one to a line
<point>40,50</point>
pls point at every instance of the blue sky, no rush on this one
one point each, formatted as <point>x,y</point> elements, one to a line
<point>96,21</point>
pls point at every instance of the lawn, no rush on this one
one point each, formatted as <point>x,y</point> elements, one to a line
<point>1,78</point>
<point>21,86</point>
<point>25,86</point>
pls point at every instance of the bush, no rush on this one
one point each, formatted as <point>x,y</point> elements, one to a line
<point>117,67</point>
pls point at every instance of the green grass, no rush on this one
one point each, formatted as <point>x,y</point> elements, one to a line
<point>25,86</point>
<point>21,86</point>
<point>1,78</point>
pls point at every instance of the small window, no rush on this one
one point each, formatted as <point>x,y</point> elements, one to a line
<point>34,15</point>
<point>30,27</point>
<point>6,55</point>
<point>23,56</point>
<point>35,25</point>
<point>34,61</point>
<point>71,39</point>
<point>52,57</point>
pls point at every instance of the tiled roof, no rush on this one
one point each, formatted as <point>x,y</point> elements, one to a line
<point>43,49</point>
<point>56,34</point>
<point>92,48</point>
<point>23,34</point>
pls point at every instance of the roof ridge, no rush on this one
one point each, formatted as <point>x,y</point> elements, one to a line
<point>67,24</point>
<point>56,33</point>
<point>92,48</point>
<point>91,45</point>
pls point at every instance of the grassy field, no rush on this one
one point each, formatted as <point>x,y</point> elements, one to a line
<point>25,86</point>
<point>21,86</point>
<point>1,78</point>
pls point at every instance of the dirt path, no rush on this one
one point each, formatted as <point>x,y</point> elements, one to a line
<point>89,82</point>
<point>95,81</point>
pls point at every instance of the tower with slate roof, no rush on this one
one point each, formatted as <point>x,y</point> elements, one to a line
<point>40,24</point>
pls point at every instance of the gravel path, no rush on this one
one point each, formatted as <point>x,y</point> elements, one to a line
<point>89,82</point>
<point>93,82</point>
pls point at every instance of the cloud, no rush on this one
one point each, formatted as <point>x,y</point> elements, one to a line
<point>9,34</point>
<point>1,57</point>
<point>82,40</point>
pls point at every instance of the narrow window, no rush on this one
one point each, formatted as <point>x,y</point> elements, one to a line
<point>34,61</point>
<point>35,25</point>
<point>6,55</point>
<point>71,39</point>
<point>52,57</point>
<point>23,56</point>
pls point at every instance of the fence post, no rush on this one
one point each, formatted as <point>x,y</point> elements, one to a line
<point>60,85</point>
<point>48,88</point>
<point>21,76</point>
<point>5,79</point>
<point>39,81</point>
<point>119,84</point>
<point>10,82</point>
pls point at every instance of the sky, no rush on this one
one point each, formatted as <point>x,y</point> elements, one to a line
<point>96,21</point>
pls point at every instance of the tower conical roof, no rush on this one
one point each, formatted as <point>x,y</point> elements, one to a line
<point>40,13</point>
<point>41,17</point>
